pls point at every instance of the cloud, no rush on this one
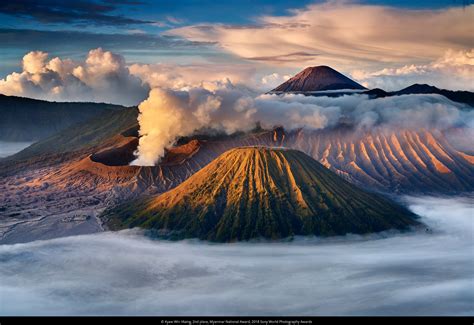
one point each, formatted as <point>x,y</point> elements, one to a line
<point>34,62</point>
<point>177,76</point>
<point>399,274</point>
<point>73,43</point>
<point>105,76</point>
<point>73,12</point>
<point>102,77</point>
<point>273,80</point>
<point>291,57</point>
<point>169,114</point>
<point>70,40</point>
<point>342,34</point>
<point>454,70</point>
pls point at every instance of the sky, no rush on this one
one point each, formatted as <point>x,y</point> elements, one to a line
<point>380,43</point>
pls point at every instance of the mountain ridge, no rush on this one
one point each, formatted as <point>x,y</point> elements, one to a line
<point>318,78</point>
<point>27,119</point>
<point>321,80</point>
<point>253,192</point>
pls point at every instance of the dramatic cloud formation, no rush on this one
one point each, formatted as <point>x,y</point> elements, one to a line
<point>74,12</point>
<point>454,70</point>
<point>16,42</point>
<point>176,76</point>
<point>341,34</point>
<point>105,76</point>
<point>102,77</point>
<point>273,80</point>
<point>423,273</point>
<point>168,114</point>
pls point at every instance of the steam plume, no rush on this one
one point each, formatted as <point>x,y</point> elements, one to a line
<point>169,114</point>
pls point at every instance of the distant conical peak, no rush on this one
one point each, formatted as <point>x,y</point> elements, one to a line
<point>318,78</point>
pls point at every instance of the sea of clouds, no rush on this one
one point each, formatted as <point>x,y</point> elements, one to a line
<point>125,273</point>
<point>169,114</point>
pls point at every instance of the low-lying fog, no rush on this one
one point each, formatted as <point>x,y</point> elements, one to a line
<point>11,148</point>
<point>126,273</point>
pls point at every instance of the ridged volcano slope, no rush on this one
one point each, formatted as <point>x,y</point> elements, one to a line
<point>260,192</point>
<point>317,79</point>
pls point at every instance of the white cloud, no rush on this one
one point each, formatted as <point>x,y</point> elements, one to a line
<point>454,70</point>
<point>34,62</point>
<point>273,80</point>
<point>175,76</point>
<point>412,274</point>
<point>343,34</point>
<point>169,114</point>
<point>102,77</point>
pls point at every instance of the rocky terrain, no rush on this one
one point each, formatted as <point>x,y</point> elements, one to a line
<point>59,185</point>
<point>261,192</point>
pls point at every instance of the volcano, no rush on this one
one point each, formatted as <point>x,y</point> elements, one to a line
<point>318,78</point>
<point>255,192</point>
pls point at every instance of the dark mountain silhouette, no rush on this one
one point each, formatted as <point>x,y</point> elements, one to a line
<point>376,93</point>
<point>465,97</point>
<point>25,119</point>
<point>320,78</point>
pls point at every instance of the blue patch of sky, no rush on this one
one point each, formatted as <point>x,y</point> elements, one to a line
<point>166,14</point>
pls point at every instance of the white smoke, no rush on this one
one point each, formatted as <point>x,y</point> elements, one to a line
<point>169,114</point>
<point>166,113</point>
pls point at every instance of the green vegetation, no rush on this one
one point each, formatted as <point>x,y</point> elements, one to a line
<point>76,141</point>
<point>25,119</point>
<point>260,192</point>
<point>83,135</point>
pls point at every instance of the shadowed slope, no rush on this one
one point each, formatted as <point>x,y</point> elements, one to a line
<point>260,192</point>
<point>25,119</point>
<point>460,96</point>
<point>77,141</point>
<point>466,97</point>
<point>317,79</point>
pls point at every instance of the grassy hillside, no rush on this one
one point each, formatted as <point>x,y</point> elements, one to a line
<point>79,140</point>
<point>259,192</point>
<point>25,119</point>
<point>83,135</point>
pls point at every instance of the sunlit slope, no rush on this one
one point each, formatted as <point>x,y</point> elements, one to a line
<point>260,192</point>
<point>421,161</point>
<point>76,141</point>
